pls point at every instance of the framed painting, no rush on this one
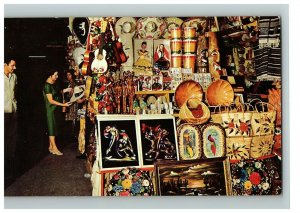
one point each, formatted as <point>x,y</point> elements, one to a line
<point>193,178</point>
<point>189,142</point>
<point>162,54</point>
<point>118,141</point>
<point>213,141</point>
<point>143,56</point>
<point>158,138</point>
<point>128,182</point>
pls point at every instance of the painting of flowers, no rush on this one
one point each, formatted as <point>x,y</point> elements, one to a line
<point>255,177</point>
<point>129,182</point>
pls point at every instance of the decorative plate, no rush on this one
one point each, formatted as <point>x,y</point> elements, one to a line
<point>189,142</point>
<point>130,182</point>
<point>170,23</point>
<point>150,27</point>
<point>213,139</point>
<point>197,23</point>
<point>126,25</point>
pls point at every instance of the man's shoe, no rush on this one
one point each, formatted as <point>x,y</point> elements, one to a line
<point>83,156</point>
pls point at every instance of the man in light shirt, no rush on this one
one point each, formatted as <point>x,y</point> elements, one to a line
<point>10,119</point>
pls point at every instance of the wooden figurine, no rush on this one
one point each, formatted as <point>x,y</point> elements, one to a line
<point>125,93</point>
<point>117,90</point>
<point>213,55</point>
<point>131,93</point>
<point>202,61</point>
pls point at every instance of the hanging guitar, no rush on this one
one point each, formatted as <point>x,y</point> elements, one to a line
<point>99,64</point>
<point>115,48</point>
<point>87,60</point>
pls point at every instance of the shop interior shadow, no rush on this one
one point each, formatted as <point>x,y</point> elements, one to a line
<point>37,45</point>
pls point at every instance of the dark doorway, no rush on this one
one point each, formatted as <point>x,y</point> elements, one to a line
<point>38,44</point>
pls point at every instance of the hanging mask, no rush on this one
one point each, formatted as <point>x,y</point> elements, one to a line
<point>81,29</point>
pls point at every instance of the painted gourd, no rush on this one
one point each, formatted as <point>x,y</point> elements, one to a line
<point>187,90</point>
<point>220,92</point>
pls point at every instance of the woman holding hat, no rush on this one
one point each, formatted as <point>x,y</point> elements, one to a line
<point>52,100</point>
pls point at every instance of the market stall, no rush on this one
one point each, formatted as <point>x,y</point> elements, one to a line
<point>180,106</point>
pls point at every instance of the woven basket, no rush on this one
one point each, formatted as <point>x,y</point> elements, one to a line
<point>238,148</point>
<point>261,146</point>
<point>263,122</point>
<point>186,114</point>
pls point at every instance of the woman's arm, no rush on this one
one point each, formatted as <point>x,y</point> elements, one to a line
<point>51,101</point>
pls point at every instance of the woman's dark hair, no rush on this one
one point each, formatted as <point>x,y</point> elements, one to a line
<point>50,72</point>
<point>72,72</point>
<point>144,42</point>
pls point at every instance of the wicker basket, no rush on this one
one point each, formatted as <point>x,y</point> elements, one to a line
<point>186,114</point>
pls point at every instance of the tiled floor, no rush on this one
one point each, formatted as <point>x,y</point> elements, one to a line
<point>54,176</point>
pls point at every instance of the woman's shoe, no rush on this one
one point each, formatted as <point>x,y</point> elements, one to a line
<point>57,152</point>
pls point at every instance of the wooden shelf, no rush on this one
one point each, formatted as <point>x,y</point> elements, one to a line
<point>154,92</point>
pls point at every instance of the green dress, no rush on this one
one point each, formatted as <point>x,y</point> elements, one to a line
<point>52,111</point>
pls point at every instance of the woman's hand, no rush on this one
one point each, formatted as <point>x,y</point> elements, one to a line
<point>67,104</point>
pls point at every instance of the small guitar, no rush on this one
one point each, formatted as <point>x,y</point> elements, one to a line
<point>87,60</point>
<point>99,64</point>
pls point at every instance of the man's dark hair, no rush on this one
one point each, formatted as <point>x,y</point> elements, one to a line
<point>8,59</point>
<point>50,72</point>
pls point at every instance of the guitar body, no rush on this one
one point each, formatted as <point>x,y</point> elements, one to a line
<point>119,53</point>
<point>86,67</point>
<point>99,66</point>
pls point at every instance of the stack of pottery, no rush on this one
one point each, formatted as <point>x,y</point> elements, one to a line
<point>176,46</point>
<point>189,48</point>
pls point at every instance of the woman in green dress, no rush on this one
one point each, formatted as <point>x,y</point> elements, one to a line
<point>53,103</point>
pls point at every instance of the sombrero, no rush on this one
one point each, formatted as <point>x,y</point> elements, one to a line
<point>171,22</point>
<point>150,27</point>
<point>126,25</point>
<point>78,93</point>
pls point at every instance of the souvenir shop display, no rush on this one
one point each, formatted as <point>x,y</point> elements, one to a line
<point>181,105</point>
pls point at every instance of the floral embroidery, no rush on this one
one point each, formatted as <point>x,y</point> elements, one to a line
<point>255,178</point>
<point>247,185</point>
<point>126,184</point>
<point>130,182</point>
<point>252,178</point>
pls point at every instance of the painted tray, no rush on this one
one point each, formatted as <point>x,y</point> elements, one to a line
<point>189,139</point>
<point>213,140</point>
